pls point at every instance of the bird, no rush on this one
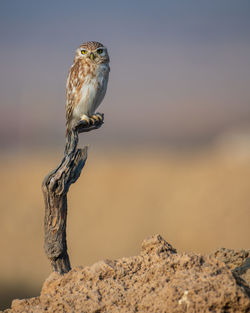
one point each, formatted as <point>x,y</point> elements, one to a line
<point>86,84</point>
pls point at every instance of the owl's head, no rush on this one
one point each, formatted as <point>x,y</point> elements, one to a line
<point>92,52</point>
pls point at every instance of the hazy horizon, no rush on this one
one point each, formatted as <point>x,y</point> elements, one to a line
<point>180,71</point>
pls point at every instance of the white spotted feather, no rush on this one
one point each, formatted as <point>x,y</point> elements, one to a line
<point>92,92</point>
<point>86,84</point>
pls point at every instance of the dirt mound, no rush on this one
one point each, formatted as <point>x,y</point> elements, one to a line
<point>157,280</point>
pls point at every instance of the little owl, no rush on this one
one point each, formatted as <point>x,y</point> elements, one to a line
<point>86,84</point>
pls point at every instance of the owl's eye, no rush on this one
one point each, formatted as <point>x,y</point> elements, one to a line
<point>99,51</point>
<point>83,51</point>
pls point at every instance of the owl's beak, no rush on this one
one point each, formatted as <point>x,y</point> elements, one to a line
<point>92,56</point>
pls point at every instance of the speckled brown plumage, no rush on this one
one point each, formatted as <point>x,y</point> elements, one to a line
<point>92,45</point>
<point>86,83</point>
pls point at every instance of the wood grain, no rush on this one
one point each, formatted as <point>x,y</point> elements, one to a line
<point>55,187</point>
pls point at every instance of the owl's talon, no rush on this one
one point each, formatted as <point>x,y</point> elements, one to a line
<point>100,117</point>
<point>97,117</point>
<point>89,122</point>
<point>86,119</point>
<point>92,120</point>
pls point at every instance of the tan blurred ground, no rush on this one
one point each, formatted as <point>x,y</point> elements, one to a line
<point>198,200</point>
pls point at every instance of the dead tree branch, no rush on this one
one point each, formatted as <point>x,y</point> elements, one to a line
<point>55,187</point>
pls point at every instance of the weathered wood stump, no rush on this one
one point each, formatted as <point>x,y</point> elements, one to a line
<point>55,187</point>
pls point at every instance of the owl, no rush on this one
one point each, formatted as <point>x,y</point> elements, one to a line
<point>86,84</point>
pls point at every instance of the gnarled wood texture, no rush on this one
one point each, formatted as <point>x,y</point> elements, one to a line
<point>55,187</point>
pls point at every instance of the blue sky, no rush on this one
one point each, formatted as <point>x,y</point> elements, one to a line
<point>182,66</point>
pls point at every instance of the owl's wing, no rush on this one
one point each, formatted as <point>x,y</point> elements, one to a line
<point>74,83</point>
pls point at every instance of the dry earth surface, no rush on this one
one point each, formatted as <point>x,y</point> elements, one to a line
<point>157,280</point>
<point>198,200</point>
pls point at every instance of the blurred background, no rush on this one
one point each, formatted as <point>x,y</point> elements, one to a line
<point>173,156</point>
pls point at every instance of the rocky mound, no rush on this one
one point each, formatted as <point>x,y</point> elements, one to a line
<point>157,280</point>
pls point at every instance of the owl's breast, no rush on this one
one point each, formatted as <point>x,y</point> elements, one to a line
<point>93,90</point>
